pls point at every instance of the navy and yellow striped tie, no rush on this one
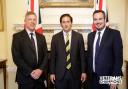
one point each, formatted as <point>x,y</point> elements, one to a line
<point>68,66</point>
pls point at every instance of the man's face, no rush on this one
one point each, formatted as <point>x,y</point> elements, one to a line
<point>99,20</point>
<point>30,22</point>
<point>66,24</point>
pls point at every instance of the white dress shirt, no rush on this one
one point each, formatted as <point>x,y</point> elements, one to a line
<point>94,45</point>
<point>35,40</point>
<point>70,35</point>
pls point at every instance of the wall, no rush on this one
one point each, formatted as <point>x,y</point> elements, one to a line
<point>15,10</point>
<point>126,31</point>
<point>118,16</point>
<point>3,49</point>
<point>15,14</point>
<point>3,45</point>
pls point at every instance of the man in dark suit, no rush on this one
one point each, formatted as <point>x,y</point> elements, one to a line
<point>67,65</point>
<point>29,52</point>
<point>105,53</point>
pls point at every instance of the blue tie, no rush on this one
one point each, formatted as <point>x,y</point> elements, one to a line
<point>97,44</point>
<point>97,51</point>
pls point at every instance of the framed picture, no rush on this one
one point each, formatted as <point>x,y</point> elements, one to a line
<point>1,15</point>
<point>66,3</point>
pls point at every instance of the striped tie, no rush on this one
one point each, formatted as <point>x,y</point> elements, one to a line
<point>68,66</point>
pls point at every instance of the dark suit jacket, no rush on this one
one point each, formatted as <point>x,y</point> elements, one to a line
<point>24,56</point>
<point>58,55</point>
<point>110,56</point>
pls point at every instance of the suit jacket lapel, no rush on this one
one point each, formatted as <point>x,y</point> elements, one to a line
<point>62,41</point>
<point>104,38</point>
<point>72,42</point>
<point>92,41</point>
<point>38,40</point>
<point>27,40</point>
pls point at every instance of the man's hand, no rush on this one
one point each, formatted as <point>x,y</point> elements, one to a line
<point>113,86</point>
<point>36,73</point>
<point>83,77</point>
<point>52,78</point>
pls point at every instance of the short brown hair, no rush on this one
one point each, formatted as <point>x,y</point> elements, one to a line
<point>29,13</point>
<point>99,11</point>
<point>66,15</point>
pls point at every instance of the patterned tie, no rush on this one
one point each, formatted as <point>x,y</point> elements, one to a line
<point>68,65</point>
<point>32,40</point>
<point>97,50</point>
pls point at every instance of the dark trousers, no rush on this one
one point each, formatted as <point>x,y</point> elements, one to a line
<point>94,83</point>
<point>68,82</point>
<point>35,85</point>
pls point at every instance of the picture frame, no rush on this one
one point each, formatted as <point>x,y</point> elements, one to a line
<point>66,3</point>
<point>1,16</point>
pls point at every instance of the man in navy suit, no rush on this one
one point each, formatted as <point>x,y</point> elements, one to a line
<point>29,52</point>
<point>67,67</point>
<point>104,53</point>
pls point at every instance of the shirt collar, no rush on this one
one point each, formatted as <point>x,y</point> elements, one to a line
<point>102,31</point>
<point>28,31</point>
<point>65,33</point>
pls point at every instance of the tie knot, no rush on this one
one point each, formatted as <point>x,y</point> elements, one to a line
<point>67,37</point>
<point>99,33</point>
<point>31,34</point>
<point>67,34</point>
